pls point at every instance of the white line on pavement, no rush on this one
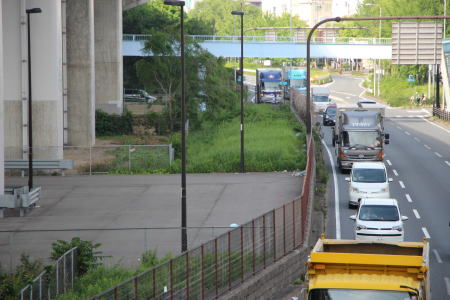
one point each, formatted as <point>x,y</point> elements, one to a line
<point>401,184</point>
<point>447,285</point>
<point>395,172</point>
<point>336,194</point>
<point>398,127</point>
<point>387,160</point>
<point>398,116</point>
<point>416,213</point>
<point>428,147</point>
<point>438,257</point>
<point>417,139</point>
<point>448,163</point>
<point>407,133</point>
<point>425,231</point>
<point>436,125</point>
<point>408,197</point>
<point>437,154</point>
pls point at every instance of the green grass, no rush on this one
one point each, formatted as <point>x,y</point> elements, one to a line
<point>271,143</point>
<point>397,91</point>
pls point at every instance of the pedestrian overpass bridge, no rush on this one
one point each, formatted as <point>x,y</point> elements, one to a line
<point>277,47</point>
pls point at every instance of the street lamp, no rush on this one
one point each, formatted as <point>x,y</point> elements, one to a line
<point>183,126</point>
<point>241,82</point>
<point>30,115</point>
<point>375,76</point>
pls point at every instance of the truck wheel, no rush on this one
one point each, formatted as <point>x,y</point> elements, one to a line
<point>333,141</point>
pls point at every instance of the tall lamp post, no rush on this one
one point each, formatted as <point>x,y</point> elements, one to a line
<point>241,83</point>
<point>30,115</point>
<point>183,126</point>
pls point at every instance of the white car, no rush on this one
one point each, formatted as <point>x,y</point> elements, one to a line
<point>367,180</point>
<point>379,219</point>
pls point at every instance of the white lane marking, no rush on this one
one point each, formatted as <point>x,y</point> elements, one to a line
<point>407,133</point>
<point>438,257</point>
<point>428,147</point>
<point>448,163</point>
<point>425,231</point>
<point>436,125</point>
<point>437,154</point>
<point>408,197</point>
<point>398,116</point>
<point>401,184</point>
<point>416,213</point>
<point>398,127</point>
<point>447,285</point>
<point>389,162</point>
<point>361,95</point>
<point>336,194</point>
<point>417,139</point>
<point>395,172</point>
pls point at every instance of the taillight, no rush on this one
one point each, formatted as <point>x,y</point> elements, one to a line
<point>341,154</point>
<point>380,155</point>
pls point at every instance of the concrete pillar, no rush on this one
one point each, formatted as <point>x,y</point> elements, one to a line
<point>46,59</point>
<point>108,55</point>
<point>80,72</point>
<point>2,115</point>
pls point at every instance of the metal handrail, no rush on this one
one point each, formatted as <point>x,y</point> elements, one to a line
<point>272,39</point>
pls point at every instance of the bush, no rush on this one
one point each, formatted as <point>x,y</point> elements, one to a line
<point>106,124</point>
<point>87,257</point>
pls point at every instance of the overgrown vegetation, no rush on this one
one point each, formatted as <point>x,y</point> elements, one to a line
<point>106,124</point>
<point>274,141</point>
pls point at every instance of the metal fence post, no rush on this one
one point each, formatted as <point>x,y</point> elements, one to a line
<point>57,277</point>
<point>229,259</point>
<point>154,282</point>
<point>274,237</point>
<point>136,297</point>
<point>90,160</point>
<point>284,229</point>
<point>129,158</point>
<point>187,275</point>
<point>40,288</point>
<point>253,246</point>
<point>242,254</point>
<point>64,273</point>
<point>202,263</point>
<point>293,223</point>
<point>216,267</point>
<point>171,278</point>
<point>72,265</point>
<point>264,241</point>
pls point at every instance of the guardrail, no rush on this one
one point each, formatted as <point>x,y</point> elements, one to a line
<point>21,198</point>
<point>274,39</point>
<point>49,285</point>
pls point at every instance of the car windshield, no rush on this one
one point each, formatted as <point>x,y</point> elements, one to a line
<point>378,213</point>
<point>271,85</point>
<point>331,111</point>
<point>361,139</point>
<point>321,99</point>
<point>348,294</point>
<point>298,82</point>
<point>368,175</point>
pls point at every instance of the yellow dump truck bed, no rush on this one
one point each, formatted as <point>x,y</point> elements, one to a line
<point>350,264</point>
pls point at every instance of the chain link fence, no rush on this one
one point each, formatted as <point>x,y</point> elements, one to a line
<point>223,263</point>
<point>105,159</point>
<point>48,285</point>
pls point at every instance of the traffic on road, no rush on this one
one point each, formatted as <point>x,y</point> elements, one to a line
<point>413,184</point>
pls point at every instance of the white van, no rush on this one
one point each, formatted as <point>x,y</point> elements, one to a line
<point>379,219</point>
<point>367,180</point>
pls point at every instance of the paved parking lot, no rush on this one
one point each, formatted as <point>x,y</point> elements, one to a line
<point>110,210</point>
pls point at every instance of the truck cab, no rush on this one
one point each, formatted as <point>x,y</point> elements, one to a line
<point>268,85</point>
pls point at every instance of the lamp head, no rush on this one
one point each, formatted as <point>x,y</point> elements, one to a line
<point>35,10</point>
<point>237,13</point>
<point>174,2</point>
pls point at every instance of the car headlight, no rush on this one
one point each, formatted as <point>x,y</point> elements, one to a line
<point>398,228</point>
<point>359,227</point>
<point>354,189</point>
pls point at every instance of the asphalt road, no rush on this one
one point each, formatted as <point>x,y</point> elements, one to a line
<point>418,159</point>
<point>109,209</point>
